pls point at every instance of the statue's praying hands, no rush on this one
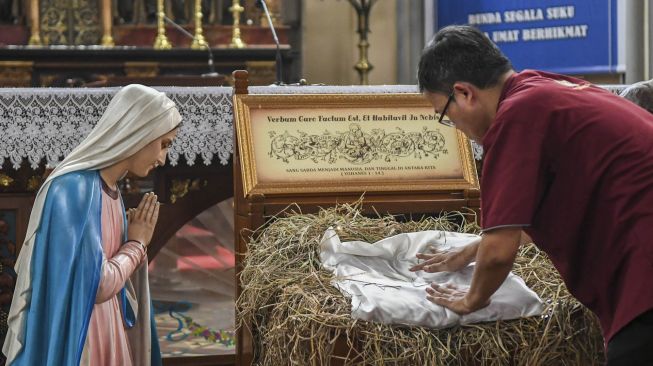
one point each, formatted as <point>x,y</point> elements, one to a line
<point>142,219</point>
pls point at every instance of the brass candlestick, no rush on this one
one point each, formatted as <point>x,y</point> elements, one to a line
<point>363,66</point>
<point>35,24</point>
<point>161,42</point>
<point>198,40</point>
<point>236,9</point>
<point>107,39</point>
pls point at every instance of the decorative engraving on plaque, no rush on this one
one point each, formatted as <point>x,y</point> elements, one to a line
<point>357,146</point>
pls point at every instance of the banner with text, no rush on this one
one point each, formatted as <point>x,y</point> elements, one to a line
<point>568,37</point>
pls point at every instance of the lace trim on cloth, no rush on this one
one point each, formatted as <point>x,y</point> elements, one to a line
<point>48,123</point>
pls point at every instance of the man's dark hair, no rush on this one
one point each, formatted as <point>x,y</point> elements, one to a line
<point>460,53</point>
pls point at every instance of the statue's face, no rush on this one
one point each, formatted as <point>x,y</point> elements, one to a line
<point>152,155</point>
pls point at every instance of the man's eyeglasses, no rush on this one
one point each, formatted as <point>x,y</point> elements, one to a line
<point>446,121</point>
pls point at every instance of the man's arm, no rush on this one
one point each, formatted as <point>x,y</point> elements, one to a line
<point>454,260</point>
<point>494,259</point>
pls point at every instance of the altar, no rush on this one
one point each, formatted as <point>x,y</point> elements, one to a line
<point>104,43</point>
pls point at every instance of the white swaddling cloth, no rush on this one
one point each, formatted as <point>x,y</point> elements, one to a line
<point>382,289</point>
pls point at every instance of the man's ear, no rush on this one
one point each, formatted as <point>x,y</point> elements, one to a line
<point>464,91</point>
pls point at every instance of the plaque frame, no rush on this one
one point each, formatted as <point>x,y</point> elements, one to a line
<point>246,104</point>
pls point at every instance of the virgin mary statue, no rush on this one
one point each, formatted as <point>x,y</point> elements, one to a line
<point>82,294</point>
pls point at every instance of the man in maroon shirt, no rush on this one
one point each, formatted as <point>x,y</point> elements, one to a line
<point>566,162</point>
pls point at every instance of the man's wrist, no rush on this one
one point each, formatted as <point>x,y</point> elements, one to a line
<point>473,303</point>
<point>470,252</point>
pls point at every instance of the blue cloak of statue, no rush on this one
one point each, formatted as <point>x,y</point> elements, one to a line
<point>65,269</point>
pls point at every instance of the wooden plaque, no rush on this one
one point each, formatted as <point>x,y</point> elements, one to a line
<point>336,143</point>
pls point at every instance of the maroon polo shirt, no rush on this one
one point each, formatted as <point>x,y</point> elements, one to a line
<point>573,165</point>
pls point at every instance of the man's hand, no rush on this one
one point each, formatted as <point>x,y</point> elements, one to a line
<point>442,261</point>
<point>494,258</point>
<point>451,260</point>
<point>453,298</point>
<point>142,219</point>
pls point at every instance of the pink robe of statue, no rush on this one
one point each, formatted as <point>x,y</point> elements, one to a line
<point>107,337</point>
